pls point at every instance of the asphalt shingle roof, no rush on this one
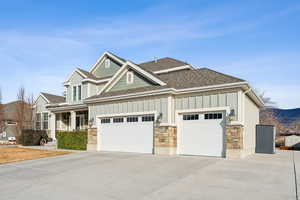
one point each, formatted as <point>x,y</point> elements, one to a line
<point>161,64</point>
<point>54,98</point>
<point>181,80</point>
<point>91,76</point>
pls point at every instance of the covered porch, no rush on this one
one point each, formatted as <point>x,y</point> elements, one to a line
<point>72,120</point>
<point>69,118</point>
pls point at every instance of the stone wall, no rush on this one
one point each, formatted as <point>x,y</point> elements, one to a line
<point>92,139</point>
<point>165,140</point>
<point>234,141</point>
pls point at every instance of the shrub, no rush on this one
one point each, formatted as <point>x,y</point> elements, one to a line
<point>32,137</point>
<point>75,140</point>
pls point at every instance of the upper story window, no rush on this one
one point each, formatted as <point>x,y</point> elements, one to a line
<point>129,76</point>
<point>77,93</point>
<point>107,63</point>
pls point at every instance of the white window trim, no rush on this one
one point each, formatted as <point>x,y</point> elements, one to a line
<point>107,63</point>
<point>128,75</point>
<point>77,93</point>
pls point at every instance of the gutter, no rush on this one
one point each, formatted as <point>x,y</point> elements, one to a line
<point>166,91</point>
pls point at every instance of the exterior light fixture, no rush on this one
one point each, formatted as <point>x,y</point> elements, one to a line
<point>232,115</point>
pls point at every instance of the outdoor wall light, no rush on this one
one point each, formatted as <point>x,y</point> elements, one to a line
<point>159,117</point>
<point>232,115</point>
<point>91,122</point>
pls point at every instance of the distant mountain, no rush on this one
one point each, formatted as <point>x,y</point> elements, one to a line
<point>286,116</point>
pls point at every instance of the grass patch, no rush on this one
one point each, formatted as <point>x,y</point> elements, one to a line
<point>16,154</point>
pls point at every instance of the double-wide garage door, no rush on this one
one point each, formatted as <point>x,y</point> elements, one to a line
<point>202,134</point>
<point>127,134</point>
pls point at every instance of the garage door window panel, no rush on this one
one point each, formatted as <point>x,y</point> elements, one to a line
<point>209,116</point>
<point>118,120</point>
<point>105,121</point>
<point>148,118</point>
<point>191,117</point>
<point>132,119</point>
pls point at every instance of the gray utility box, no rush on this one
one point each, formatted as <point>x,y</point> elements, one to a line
<point>265,139</point>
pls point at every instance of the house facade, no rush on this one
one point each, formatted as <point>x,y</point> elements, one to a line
<point>164,106</point>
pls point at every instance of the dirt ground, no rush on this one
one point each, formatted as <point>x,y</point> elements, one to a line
<point>15,154</point>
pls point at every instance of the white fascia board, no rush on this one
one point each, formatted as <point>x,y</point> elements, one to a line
<point>112,80</point>
<point>170,91</point>
<point>95,81</point>
<point>70,76</point>
<point>103,56</point>
<point>134,95</point>
<point>173,69</point>
<point>41,95</point>
<point>121,72</point>
<point>212,87</point>
<point>147,74</point>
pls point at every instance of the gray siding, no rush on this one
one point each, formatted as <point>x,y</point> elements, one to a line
<point>208,101</point>
<point>76,79</point>
<point>138,81</point>
<point>101,71</point>
<point>94,89</point>
<point>159,104</point>
<point>40,105</point>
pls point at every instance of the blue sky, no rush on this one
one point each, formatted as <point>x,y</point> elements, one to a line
<point>41,42</point>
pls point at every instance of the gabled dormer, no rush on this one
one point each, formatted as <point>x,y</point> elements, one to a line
<point>75,88</point>
<point>107,65</point>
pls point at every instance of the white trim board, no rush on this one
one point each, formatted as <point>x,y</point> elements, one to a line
<point>123,70</point>
<point>173,69</point>
<point>105,54</point>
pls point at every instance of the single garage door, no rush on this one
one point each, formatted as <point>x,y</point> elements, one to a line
<point>202,134</point>
<point>127,134</point>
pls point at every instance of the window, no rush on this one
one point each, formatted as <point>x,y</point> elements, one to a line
<point>74,93</point>
<point>105,121</point>
<point>79,92</point>
<point>38,121</point>
<point>45,121</point>
<point>191,117</point>
<point>118,120</point>
<point>129,77</point>
<point>149,118</point>
<point>213,116</point>
<point>132,119</point>
<point>107,63</point>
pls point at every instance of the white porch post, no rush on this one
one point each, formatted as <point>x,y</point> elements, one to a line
<point>73,120</point>
<point>53,125</point>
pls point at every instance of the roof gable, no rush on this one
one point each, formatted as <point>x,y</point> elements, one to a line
<point>99,69</point>
<point>143,76</point>
<point>138,81</point>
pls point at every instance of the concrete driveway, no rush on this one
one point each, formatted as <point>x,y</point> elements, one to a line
<point>140,177</point>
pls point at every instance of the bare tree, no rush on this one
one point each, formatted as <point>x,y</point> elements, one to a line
<point>267,100</point>
<point>23,112</point>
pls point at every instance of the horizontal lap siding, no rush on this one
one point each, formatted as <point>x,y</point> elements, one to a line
<point>208,101</point>
<point>160,105</point>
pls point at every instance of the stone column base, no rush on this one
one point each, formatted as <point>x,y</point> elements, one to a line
<point>165,142</point>
<point>92,139</point>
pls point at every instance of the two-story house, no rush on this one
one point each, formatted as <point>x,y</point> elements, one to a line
<point>164,106</point>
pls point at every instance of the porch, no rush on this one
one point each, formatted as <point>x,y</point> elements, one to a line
<point>72,120</point>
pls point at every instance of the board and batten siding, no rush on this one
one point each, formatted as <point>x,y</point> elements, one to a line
<point>159,104</point>
<point>101,71</point>
<point>138,81</point>
<point>76,80</point>
<point>208,101</point>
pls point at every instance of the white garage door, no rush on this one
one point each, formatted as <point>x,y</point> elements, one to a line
<point>202,134</point>
<point>127,134</point>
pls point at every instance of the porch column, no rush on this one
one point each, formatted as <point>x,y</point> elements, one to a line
<point>53,125</point>
<point>73,120</point>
